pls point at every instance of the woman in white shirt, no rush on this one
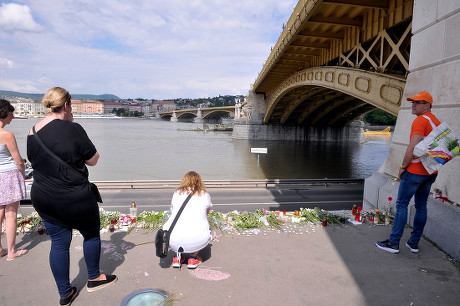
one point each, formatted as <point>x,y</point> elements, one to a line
<point>191,232</point>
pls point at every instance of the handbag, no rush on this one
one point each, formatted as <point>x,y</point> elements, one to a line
<point>162,236</point>
<point>439,147</point>
<point>93,187</point>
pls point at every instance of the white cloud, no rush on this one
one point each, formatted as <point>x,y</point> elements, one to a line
<point>148,48</point>
<point>4,62</point>
<point>16,17</point>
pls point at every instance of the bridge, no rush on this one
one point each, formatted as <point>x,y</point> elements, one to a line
<point>336,60</point>
<point>199,114</point>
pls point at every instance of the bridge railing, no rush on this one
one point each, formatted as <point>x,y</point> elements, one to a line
<point>263,183</point>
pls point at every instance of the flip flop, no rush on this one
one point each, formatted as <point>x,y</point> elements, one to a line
<point>21,252</point>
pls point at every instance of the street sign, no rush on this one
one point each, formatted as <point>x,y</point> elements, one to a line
<point>259,150</point>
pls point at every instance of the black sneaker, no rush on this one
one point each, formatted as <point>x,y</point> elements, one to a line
<point>68,300</point>
<point>413,247</point>
<point>96,285</point>
<point>388,246</point>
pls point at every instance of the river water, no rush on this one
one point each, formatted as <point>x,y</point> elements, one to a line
<point>151,149</point>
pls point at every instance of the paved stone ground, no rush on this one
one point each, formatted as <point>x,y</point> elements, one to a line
<point>309,265</point>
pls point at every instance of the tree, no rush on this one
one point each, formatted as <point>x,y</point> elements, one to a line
<point>380,117</point>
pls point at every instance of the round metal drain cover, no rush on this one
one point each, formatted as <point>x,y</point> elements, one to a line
<point>146,297</point>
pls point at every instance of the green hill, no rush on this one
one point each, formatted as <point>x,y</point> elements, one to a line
<point>110,97</point>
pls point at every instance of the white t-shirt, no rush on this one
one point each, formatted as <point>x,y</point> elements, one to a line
<point>191,231</point>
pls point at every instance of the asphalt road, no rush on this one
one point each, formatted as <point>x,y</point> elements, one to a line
<point>332,197</point>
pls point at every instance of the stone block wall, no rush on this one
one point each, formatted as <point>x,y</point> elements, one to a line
<point>434,67</point>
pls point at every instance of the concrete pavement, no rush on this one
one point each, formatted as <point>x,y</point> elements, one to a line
<point>303,265</point>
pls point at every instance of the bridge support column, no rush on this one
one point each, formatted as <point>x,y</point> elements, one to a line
<point>174,117</point>
<point>434,67</point>
<point>199,117</point>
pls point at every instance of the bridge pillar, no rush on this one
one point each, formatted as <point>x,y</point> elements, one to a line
<point>174,117</point>
<point>434,67</point>
<point>199,117</point>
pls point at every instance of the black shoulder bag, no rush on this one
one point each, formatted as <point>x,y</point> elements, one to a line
<point>93,186</point>
<point>162,237</point>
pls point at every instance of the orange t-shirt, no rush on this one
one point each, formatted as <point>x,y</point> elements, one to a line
<point>421,126</point>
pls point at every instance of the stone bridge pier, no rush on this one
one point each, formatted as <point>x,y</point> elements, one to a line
<point>434,67</point>
<point>248,124</point>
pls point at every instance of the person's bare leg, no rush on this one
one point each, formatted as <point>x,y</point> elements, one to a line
<point>11,213</point>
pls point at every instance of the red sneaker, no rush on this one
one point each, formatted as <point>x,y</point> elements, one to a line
<point>177,263</point>
<point>194,262</point>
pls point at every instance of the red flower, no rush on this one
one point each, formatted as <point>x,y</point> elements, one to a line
<point>390,199</point>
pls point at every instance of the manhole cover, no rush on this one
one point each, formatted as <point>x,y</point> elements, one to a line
<point>146,297</point>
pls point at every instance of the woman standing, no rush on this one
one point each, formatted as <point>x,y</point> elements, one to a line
<point>61,193</point>
<point>12,188</point>
<point>191,232</point>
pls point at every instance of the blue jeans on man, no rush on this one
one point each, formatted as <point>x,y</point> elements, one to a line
<point>411,185</point>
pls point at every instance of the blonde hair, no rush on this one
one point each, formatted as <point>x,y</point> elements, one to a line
<point>192,182</point>
<point>55,98</point>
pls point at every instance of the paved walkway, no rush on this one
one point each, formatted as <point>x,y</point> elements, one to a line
<point>310,265</point>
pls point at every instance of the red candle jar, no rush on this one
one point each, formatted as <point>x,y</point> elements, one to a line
<point>371,219</point>
<point>354,210</point>
<point>324,222</point>
<point>114,221</point>
<point>284,212</point>
<point>360,208</point>
<point>357,217</point>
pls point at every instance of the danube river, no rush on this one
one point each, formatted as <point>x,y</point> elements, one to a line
<point>151,149</point>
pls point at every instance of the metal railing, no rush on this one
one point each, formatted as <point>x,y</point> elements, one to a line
<point>265,183</point>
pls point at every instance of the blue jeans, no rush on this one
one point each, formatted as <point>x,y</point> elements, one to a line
<point>60,257</point>
<point>411,185</point>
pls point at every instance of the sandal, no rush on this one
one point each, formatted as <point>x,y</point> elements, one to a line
<point>18,254</point>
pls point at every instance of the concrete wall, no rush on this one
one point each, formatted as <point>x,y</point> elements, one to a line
<point>435,67</point>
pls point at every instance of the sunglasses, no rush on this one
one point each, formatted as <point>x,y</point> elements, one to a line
<point>419,102</point>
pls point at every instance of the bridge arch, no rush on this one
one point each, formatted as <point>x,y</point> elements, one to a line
<point>332,96</point>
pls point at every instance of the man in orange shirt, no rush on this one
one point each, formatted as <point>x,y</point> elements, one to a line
<point>415,180</point>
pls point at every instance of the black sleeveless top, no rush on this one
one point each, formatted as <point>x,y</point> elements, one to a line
<point>61,194</point>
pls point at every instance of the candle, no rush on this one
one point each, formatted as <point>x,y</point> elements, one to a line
<point>296,213</point>
<point>324,222</point>
<point>357,217</point>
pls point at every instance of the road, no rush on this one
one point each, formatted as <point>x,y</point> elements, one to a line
<point>332,197</point>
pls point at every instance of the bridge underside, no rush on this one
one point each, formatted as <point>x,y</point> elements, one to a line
<point>318,106</point>
<point>332,96</point>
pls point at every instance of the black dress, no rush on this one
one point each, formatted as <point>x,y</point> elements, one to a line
<point>61,194</point>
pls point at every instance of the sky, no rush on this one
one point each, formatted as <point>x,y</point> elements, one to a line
<point>151,49</point>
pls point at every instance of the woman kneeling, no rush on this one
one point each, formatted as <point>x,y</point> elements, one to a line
<point>191,232</point>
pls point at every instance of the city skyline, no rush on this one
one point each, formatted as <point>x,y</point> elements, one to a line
<point>151,50</point>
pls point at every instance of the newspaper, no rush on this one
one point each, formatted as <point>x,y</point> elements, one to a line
<point>439,147</point>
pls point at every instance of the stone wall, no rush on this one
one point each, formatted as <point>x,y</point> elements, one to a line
<point>434,67</point>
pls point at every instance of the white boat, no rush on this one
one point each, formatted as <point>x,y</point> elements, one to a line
<point>95,116</point>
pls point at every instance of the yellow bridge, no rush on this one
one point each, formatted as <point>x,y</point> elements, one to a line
<point>336,60</point>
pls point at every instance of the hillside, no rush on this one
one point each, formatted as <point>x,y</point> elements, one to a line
<point>6,93</point>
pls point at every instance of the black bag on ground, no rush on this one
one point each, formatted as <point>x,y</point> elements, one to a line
<point>162,243</point>
<point>162,237</point>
